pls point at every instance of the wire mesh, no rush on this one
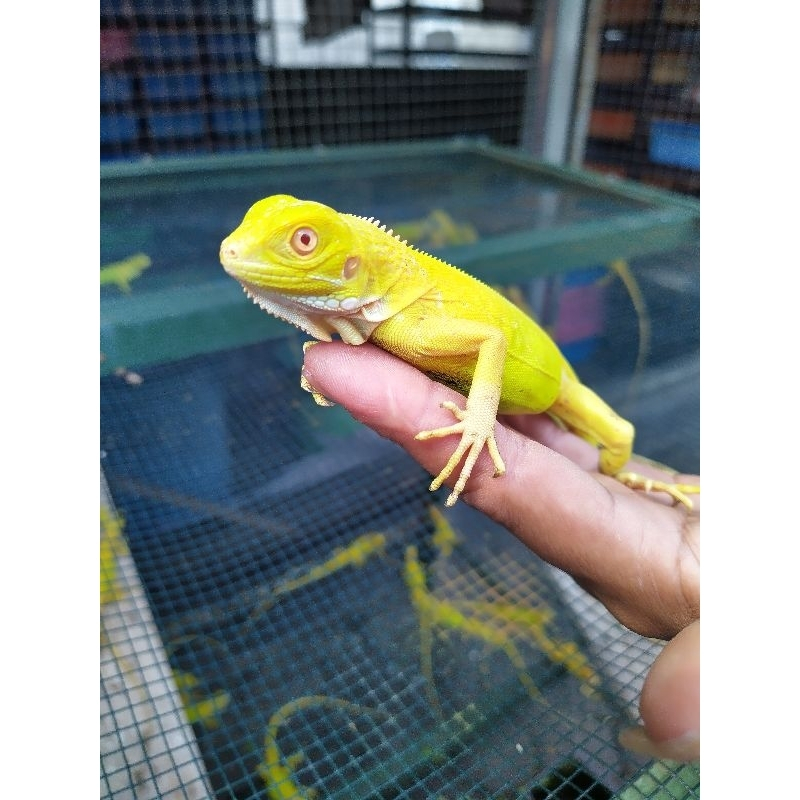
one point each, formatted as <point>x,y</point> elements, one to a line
<point>256,550</point>
<point>237,498</point>
<point>645,118</point>
<point>274,542</point>
<point>196,77</point>
<point>238,565</point>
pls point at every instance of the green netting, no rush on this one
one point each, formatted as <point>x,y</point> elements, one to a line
<point>259,549</point>
<point>236,492</point>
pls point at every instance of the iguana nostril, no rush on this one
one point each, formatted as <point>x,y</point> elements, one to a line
<point>228,251</point>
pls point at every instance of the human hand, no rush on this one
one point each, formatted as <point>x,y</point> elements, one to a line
<point>637,553</point>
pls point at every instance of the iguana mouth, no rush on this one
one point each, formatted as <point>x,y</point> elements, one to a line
<point>316,304</point>
<point>316,316</point>
<point>289,310</point>
<point>244,272</point>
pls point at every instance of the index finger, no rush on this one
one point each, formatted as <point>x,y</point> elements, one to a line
<point>542,493</point>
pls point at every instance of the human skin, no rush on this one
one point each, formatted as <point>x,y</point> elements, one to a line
<point>635,552</point>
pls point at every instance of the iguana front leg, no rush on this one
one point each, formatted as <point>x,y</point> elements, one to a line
<point>452,354</point>
<point>476,425</point>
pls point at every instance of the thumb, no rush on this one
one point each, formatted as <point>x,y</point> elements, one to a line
<point>670,702</point>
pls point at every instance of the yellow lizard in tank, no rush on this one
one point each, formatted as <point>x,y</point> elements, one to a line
<point>432,611</point>
<point>276,769</point>
<point>355,554</point>
<point>200,707</point>
<point>469,616</point>
<point>121,273</point>
<point>330,273</point>
<point>112,547</point>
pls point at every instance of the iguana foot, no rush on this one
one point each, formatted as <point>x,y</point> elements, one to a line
<point>677,491</point>
<point>319,399</point>
<point>476,431</point>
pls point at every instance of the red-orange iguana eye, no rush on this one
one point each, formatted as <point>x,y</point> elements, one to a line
<point>304,240</point>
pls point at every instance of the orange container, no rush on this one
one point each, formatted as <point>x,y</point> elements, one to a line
<point>609,124</point>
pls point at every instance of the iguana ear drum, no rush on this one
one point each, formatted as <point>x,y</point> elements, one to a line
<point>350,268</point>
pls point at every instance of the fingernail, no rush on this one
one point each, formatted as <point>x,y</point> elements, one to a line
<point>685,748</point>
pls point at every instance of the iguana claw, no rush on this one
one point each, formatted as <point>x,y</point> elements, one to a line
<point>473,438</point>
<point>677,491</point>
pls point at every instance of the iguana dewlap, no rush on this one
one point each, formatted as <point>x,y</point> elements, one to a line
<point>330,273</point>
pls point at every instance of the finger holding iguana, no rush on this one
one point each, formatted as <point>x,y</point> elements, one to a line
<point>588,524</point>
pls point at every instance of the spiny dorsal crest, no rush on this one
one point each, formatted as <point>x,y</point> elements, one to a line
<point>390,232</point>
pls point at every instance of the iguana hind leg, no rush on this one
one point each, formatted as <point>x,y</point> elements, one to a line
<point>589,417</point>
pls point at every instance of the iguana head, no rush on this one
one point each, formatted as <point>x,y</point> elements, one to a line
<point>320,270</point>
<point>295,248</point>
<point>299,260</point>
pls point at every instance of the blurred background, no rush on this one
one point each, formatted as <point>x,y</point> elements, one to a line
<point>262,629</point>
<point>612,85</point>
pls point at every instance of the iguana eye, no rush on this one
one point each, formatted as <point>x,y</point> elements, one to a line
<point>304,240</point>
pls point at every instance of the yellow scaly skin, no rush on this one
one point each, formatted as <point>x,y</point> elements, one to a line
<point>330,273</point>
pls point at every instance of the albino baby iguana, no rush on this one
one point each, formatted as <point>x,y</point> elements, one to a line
<point>330,273</point>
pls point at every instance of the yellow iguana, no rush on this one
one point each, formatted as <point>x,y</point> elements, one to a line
<point>200,707</point>
<point>330,273</point>
<point>121,273</point>
<point>353,555</point>
<point>276,769</point>
<point>432,612</point>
